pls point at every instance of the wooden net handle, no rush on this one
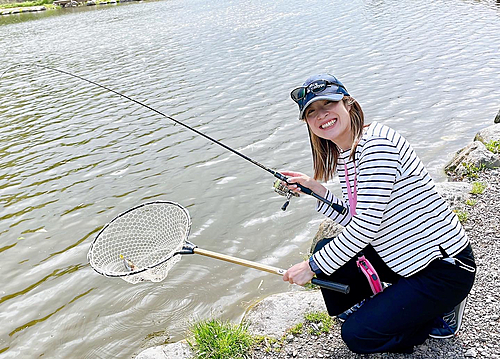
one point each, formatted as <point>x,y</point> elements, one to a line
<point>338,287</point>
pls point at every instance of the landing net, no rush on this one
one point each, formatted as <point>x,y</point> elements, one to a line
<point>140,244</point>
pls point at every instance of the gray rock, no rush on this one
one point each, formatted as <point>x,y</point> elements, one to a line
<point>152,353</point>
<point>327,229</point>
<point>475,155</point>
<point>179,350</point>
<point>491,133</point>
<point>497,118</point>
<point>454,193</point>
<point>275,314</point>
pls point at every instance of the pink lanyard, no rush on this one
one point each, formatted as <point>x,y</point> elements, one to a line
<point>353,196</point>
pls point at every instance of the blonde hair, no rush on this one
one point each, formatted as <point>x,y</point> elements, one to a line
<point>325,153</point>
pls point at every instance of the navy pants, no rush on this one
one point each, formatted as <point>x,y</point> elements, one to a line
<point>401,316</point>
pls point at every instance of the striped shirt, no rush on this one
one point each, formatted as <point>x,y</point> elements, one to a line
<point>398,210</point>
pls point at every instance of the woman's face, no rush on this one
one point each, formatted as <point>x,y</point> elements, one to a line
<point>330,120</point>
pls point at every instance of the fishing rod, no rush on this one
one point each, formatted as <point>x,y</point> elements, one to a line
<point>279,187</point>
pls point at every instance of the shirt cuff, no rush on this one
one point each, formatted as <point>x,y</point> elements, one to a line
<point>314,267</point>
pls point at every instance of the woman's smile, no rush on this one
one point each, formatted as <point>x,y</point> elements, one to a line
<point>330,120</point>
<point>328,124</point>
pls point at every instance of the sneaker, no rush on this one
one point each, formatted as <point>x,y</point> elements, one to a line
<point>343,316</point>
<point>449,325</point>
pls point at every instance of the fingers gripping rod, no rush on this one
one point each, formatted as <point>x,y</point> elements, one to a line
<point>278,175</point>
<point>308,191</point>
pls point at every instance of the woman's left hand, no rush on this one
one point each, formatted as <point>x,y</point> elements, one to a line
<point>299,274</point>
<point>304,180</point>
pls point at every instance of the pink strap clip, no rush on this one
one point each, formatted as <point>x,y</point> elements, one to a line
<point>370,273</point>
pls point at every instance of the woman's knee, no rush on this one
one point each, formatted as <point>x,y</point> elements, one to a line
<point>351,336</point>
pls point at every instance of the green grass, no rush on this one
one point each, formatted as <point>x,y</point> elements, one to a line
<point>310,286</point>
<point>463,216</point>
<point>26,4</point>
<point>471,202</point>
<point>493,146</point>
<point>478,187</point>
<point>47,3</point>
<point>296,329</point>
<point>472,171</point>
<point>322,322</point>
<point>215,339</point>
<point>269,344</point>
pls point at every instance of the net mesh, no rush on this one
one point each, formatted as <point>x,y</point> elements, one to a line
<point>139,245</point>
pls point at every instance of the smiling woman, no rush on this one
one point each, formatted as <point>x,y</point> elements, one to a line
<point>396,220</point>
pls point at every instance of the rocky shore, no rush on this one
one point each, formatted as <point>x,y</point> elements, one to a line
<point>479,337</point>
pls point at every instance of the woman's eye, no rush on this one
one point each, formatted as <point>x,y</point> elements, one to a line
<point>309,112</point>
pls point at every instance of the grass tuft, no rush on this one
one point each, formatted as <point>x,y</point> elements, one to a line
<point>296,329</point>
<point>471,202</point>
<point>478,187</point>
<point>493,146</point>
<point>214,339</point>
<point>320,322</point>
<point>463,216</point>
<point>472,171</point>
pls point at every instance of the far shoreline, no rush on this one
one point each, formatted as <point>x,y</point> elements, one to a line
<point>7,9</point>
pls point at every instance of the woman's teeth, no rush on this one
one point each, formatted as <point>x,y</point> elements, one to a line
<point>328,124</point>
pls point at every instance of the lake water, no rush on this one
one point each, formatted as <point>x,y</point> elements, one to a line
<point>73,156</point>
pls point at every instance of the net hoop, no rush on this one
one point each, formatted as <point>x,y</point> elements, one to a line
<point>148,236</point>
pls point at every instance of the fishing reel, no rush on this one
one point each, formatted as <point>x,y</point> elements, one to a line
<point>281,189</point>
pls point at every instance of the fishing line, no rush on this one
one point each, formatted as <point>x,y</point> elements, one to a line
<point>276,174</point>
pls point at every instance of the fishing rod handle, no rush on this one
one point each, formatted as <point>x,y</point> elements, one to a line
<point>308,191</point>
<point>336,207</point>
<point>337,287</point>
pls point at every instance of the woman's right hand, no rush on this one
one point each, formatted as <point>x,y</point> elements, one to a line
<point>305,181</point>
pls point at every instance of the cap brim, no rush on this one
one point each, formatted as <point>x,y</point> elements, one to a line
<point>332,97</point>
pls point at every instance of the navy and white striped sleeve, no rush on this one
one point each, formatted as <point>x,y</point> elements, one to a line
<point>342,219</point>
<point>378,166</point>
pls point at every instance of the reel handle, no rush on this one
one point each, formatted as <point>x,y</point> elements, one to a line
<point>309,192</point>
